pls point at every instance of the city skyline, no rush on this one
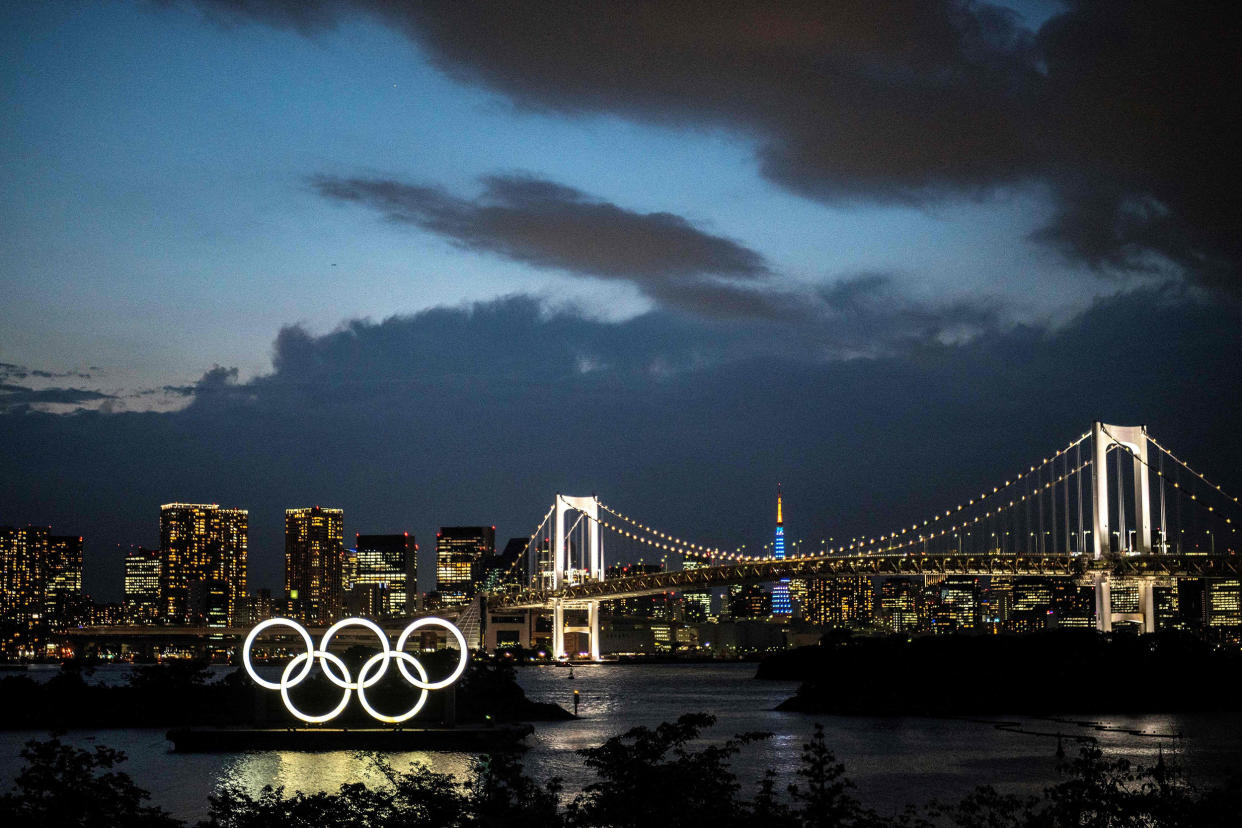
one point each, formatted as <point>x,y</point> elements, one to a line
<point>476,257</point>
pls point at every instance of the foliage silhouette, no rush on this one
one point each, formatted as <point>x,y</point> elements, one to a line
<point>661,776</point>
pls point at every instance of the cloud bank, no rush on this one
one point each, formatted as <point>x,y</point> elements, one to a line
<point>1124,112</point>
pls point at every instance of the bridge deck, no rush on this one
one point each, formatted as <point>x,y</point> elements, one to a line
<point>1186,566</point>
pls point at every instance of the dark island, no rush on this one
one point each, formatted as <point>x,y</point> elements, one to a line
<point>1060,671</point>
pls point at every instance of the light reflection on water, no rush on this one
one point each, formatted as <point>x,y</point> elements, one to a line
<point>892,760</point>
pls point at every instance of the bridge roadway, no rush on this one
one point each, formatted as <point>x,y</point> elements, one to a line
<point>750,572</point>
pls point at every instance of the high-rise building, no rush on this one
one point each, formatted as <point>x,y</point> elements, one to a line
<point>314,562</point>
<point>142,585</point>
<point>1073,605</point>
<point>956,607</point>
<point>201,542</point>
<point>461,552</point>
<point>698,601</point>
<point>899,604</point>
<point>750,601</point>
<point>40,586</point>
<point>1223,603</point>
<point>63,600</point>
<point>23,553</point>
<point>387,561</point>
<point>1032,602</point>
<point>782,607</point>
<point>846,601</point>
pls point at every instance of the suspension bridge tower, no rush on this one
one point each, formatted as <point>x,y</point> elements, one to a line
<point>1132,440</point>
<point>575,562</point>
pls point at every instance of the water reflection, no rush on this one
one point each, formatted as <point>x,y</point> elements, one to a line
<point>893,760</point>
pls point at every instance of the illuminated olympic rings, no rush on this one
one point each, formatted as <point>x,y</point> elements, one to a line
<point>372,670</point>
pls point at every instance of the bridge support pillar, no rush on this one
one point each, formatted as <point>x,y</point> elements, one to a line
<point>558,629</point>
<point>1103,604</point>
<point>1104,615</point>
<point>593,622</point>
<point>1147,604</point>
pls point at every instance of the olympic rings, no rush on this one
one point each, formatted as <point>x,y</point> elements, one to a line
<point>328,662</point>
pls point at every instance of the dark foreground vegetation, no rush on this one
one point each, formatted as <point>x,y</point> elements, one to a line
<point>943,675</point>
<point>178,693</point>
<point>646,777</point>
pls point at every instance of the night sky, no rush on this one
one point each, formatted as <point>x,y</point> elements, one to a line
<point>433,262</point>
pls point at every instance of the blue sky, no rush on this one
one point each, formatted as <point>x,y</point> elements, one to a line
<point>184,181</point>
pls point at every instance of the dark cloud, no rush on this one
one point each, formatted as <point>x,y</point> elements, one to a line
<point>480,414</point>
<point>13,397</point>
<point>1126,112</point>
<point>545,224</point>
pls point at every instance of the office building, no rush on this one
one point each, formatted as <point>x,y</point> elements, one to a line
<point>1223,603</point>
<point>201,542</point>
<point>698,602</point>
<point>63,600</point>
<point>750,601</point>
<point>900,604</point>
<point>846,601</point>
<point>314,563</point>
<point>388,563</point>
<point>461,552</point>
<point>1032,602</point>
<point>142,585</point>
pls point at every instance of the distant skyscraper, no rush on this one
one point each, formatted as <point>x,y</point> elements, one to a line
<point>750,601</point>
<point>40,586</point>
<point>846,601</point>
<point>201,542</point>
<point>1223,603</point>
<point>386,560</point>
<point>899,602</point>
<point>23,553</point>
<point>142,585</point>
<point>314,559</point>
<point>461,552</point>
<point>698,601</point>
<point>957,604</point>
<point>781,605</point>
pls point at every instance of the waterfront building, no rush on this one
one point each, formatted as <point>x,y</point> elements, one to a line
<point>142,585</point>
<point>314,562</point>
<point>460,555</point>
<point>209,603</point>
<point>750,601</point>
<point>997,604</point>
<point>256,607</point>
<point>1032,601</point>
<point>900,604</point>
<point>1072,605</point>
<point>956,605</point>
<point>22,588</point>
<point>846,601</point>
<point>201,542</point>
<point>1223,604</point>
<point>63,600</point>
<point>1168,608</point>
<point>698,602</point>
<point>40,587</point>
<point>782,606</point>
<point>386,562</point>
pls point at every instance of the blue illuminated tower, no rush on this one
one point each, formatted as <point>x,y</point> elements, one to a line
<point>780,592</point>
